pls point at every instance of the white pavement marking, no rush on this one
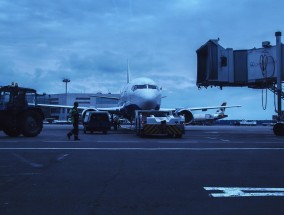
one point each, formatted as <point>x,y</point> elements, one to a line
<point>26,161</point>
<point>245,192</point>
<point>212,138</point>
<point>118,141</point>
<point>177,142</point>
<point>19,174</point>
<point>146,149</point>
<point>212,132</point>
<point>9,141</point>
<point>58,141</point>
<point>62,157</point>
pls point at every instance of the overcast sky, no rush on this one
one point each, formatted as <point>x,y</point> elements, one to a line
<point>89,41</point>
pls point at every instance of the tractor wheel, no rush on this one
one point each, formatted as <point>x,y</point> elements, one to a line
<point>31,124</point>
<point>11,127</point>
<point>12,132</point>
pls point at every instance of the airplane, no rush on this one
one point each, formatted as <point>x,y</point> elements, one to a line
<point>210,118</point>
<point>141,94</point>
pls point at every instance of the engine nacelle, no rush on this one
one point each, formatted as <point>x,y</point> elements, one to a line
<point>188,116</point>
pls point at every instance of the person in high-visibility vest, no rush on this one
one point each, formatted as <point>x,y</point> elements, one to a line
<point>74,114</point>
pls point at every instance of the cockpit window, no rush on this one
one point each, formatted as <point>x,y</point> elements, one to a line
<point>144,86</point>
<point>152,87</point>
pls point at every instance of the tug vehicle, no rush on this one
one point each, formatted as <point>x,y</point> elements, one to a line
<point>19,113</point>
<point>156,122</point>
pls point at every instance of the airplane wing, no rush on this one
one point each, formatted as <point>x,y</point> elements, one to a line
<point>212,107</point>
<point>189,117</point>
<point>200,108</point>
<point>112,110</point>
<point>61,106</point>
<point>106,97</point>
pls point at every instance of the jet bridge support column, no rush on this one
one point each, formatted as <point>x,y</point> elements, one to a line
<point>279,74</point>
<point>279,126</point>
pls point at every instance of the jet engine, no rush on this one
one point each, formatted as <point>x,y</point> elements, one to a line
<point>188,116</point>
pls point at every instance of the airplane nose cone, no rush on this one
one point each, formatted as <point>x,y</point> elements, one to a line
<point>148,105</point>
<point>150,100</point>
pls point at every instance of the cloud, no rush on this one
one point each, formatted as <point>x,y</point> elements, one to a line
<point>89,41</point>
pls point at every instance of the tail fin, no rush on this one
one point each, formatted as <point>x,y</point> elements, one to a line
<point>128,74</point>
<point>222,109</point>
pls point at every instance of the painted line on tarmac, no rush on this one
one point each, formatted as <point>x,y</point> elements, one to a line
<point>144,149</point>
<point>245,192</point>
<point>19,174</point>
<point>176,142</point>
<point>58,141</point>
<point>117,141</point>
<point>98,141</point>
<point>211,138</point>
<point>224,140</point>
<point>26,161</point>
<point>62,157</point>
<point>214,138</point>
<point>9,141</point>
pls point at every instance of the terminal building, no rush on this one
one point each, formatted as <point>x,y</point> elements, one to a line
<point>96,100</point>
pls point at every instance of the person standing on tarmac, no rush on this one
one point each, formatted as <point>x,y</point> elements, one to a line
<point>75,120</point>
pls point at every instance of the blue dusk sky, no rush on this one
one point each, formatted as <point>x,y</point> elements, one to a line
<point>89,42</point>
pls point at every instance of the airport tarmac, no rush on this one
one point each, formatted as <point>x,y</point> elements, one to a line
<point>210,170</point>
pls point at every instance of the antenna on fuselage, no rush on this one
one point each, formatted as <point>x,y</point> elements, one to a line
<point>128,74</point>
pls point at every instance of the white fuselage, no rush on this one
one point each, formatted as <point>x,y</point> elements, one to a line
<point>140,94</point>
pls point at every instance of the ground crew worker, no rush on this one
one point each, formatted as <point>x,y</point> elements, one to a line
<point>75,121</point>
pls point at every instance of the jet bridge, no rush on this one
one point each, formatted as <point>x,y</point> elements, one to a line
<point>255,68</point>
<point>259,68</point>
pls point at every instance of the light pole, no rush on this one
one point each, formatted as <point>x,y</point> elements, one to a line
<point>66,81</point>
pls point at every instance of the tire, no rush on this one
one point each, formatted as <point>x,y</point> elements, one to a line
<point>12,132</point>
<point>11,127</point>
<point>31,124</point>
<point>278,129</point>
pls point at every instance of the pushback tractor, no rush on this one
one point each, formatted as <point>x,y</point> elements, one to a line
<point>161,123</point>
<point>19,114</point>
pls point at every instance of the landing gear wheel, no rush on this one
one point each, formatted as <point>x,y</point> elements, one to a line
<point>31,124</point>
